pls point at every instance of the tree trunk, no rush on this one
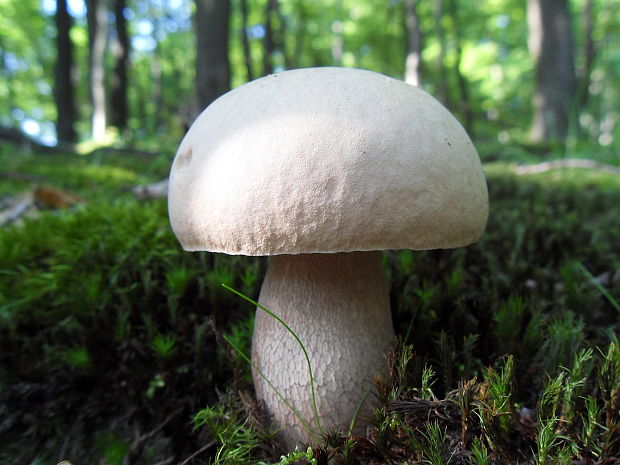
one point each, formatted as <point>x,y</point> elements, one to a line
<point>118,93</point>
<point>269,44</point>
<point>300,36</point>
<point>157,77</point>
<point>589,54</point>
<point>212,64</point>
<point>337,29</point>
<point>280,38</point>
<point>413,61</point>
<point>551,45</point>
<point>440,33</point>
<point>63,77</point>
<point>97,32</point>
<point>464,100</point>
<point>245,41</point>
<point>274,37</point>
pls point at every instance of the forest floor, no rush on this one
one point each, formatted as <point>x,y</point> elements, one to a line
<point>113,341</point>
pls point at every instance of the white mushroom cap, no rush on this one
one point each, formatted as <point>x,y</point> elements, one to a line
<point>326,160</point>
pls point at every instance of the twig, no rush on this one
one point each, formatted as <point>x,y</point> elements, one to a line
<point>15,176</point>
<point>152,191</point>
<point>17,209</point>
<point>106,150</point>
<point>198,452</point>
<point>568,163</point>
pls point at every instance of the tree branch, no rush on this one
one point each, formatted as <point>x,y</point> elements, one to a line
<point>568,163</point>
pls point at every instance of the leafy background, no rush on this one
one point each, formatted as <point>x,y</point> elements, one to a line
<point>113,342</point>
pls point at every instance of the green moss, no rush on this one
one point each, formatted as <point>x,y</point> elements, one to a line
<point>101,311</point>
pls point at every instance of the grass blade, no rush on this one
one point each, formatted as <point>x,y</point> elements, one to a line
<point>614,303</point>
<point>287,403</point>
<point>279,320</point>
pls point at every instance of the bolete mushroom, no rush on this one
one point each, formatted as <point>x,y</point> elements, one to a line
<point>321,169</point>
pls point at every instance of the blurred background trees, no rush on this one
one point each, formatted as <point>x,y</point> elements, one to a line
<point>211,26</point>
<point>63,78</point>
<point>137,71</point>
<point>550,41</point>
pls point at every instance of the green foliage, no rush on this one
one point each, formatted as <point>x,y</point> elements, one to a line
<point>480,454</point>
<point>428,379</point>
<point>26,59</point>
<point>75,357</point>
<point>495,403</point>
<point>239,336</point>
<point>508,346</point>
<point>435,447</point>
<point>163,345</point>
<point>236,440</point>
<point>508,322</point>
<point>591,428</point>
<point>111,447</point>
<point>99,309</point>
<point>549,442</point>
<point>481,66</point>
<point>295,457</point>
<point>564,338</point>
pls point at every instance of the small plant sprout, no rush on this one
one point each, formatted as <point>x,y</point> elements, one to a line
<point>321,169</point>
<point>435,450</point>
<point>465,399</point>
<point>163,345</point>
<point>494,407</point>
<point>548,441</point>
<point>156,383</point>
<point>609,385</point>
<point>295,457</point>
<point>591,427</point>
<point>235,438</point>
<point>428,379</point>
<point>480,454</point>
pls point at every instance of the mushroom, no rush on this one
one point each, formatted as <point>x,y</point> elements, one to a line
<point>321,169</point>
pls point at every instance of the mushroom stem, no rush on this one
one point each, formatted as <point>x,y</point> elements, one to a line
<point>338,306</point>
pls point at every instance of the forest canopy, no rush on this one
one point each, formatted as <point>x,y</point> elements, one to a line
<point>133,71</point>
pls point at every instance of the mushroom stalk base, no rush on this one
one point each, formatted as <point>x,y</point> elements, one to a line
<point>338,306</point>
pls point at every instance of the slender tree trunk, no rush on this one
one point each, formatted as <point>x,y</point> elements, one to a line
<point>157,77</point>
<point>338,36</point>
<point>97,33</point>
<point>440,33</point>
<point>269,45</point>
<point>212,64</point>
<point>63,77</point>
<point>300,35</point>
<point>274,37</point>
<point>245,41</point>
<point>551,45</point>
<point>118,93</point>
<point>141,90</point>
<point>464,100</point>
<point>281,35</point>
<point>157,89</point>
<point>413,61</point>
<point>589,54</point>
